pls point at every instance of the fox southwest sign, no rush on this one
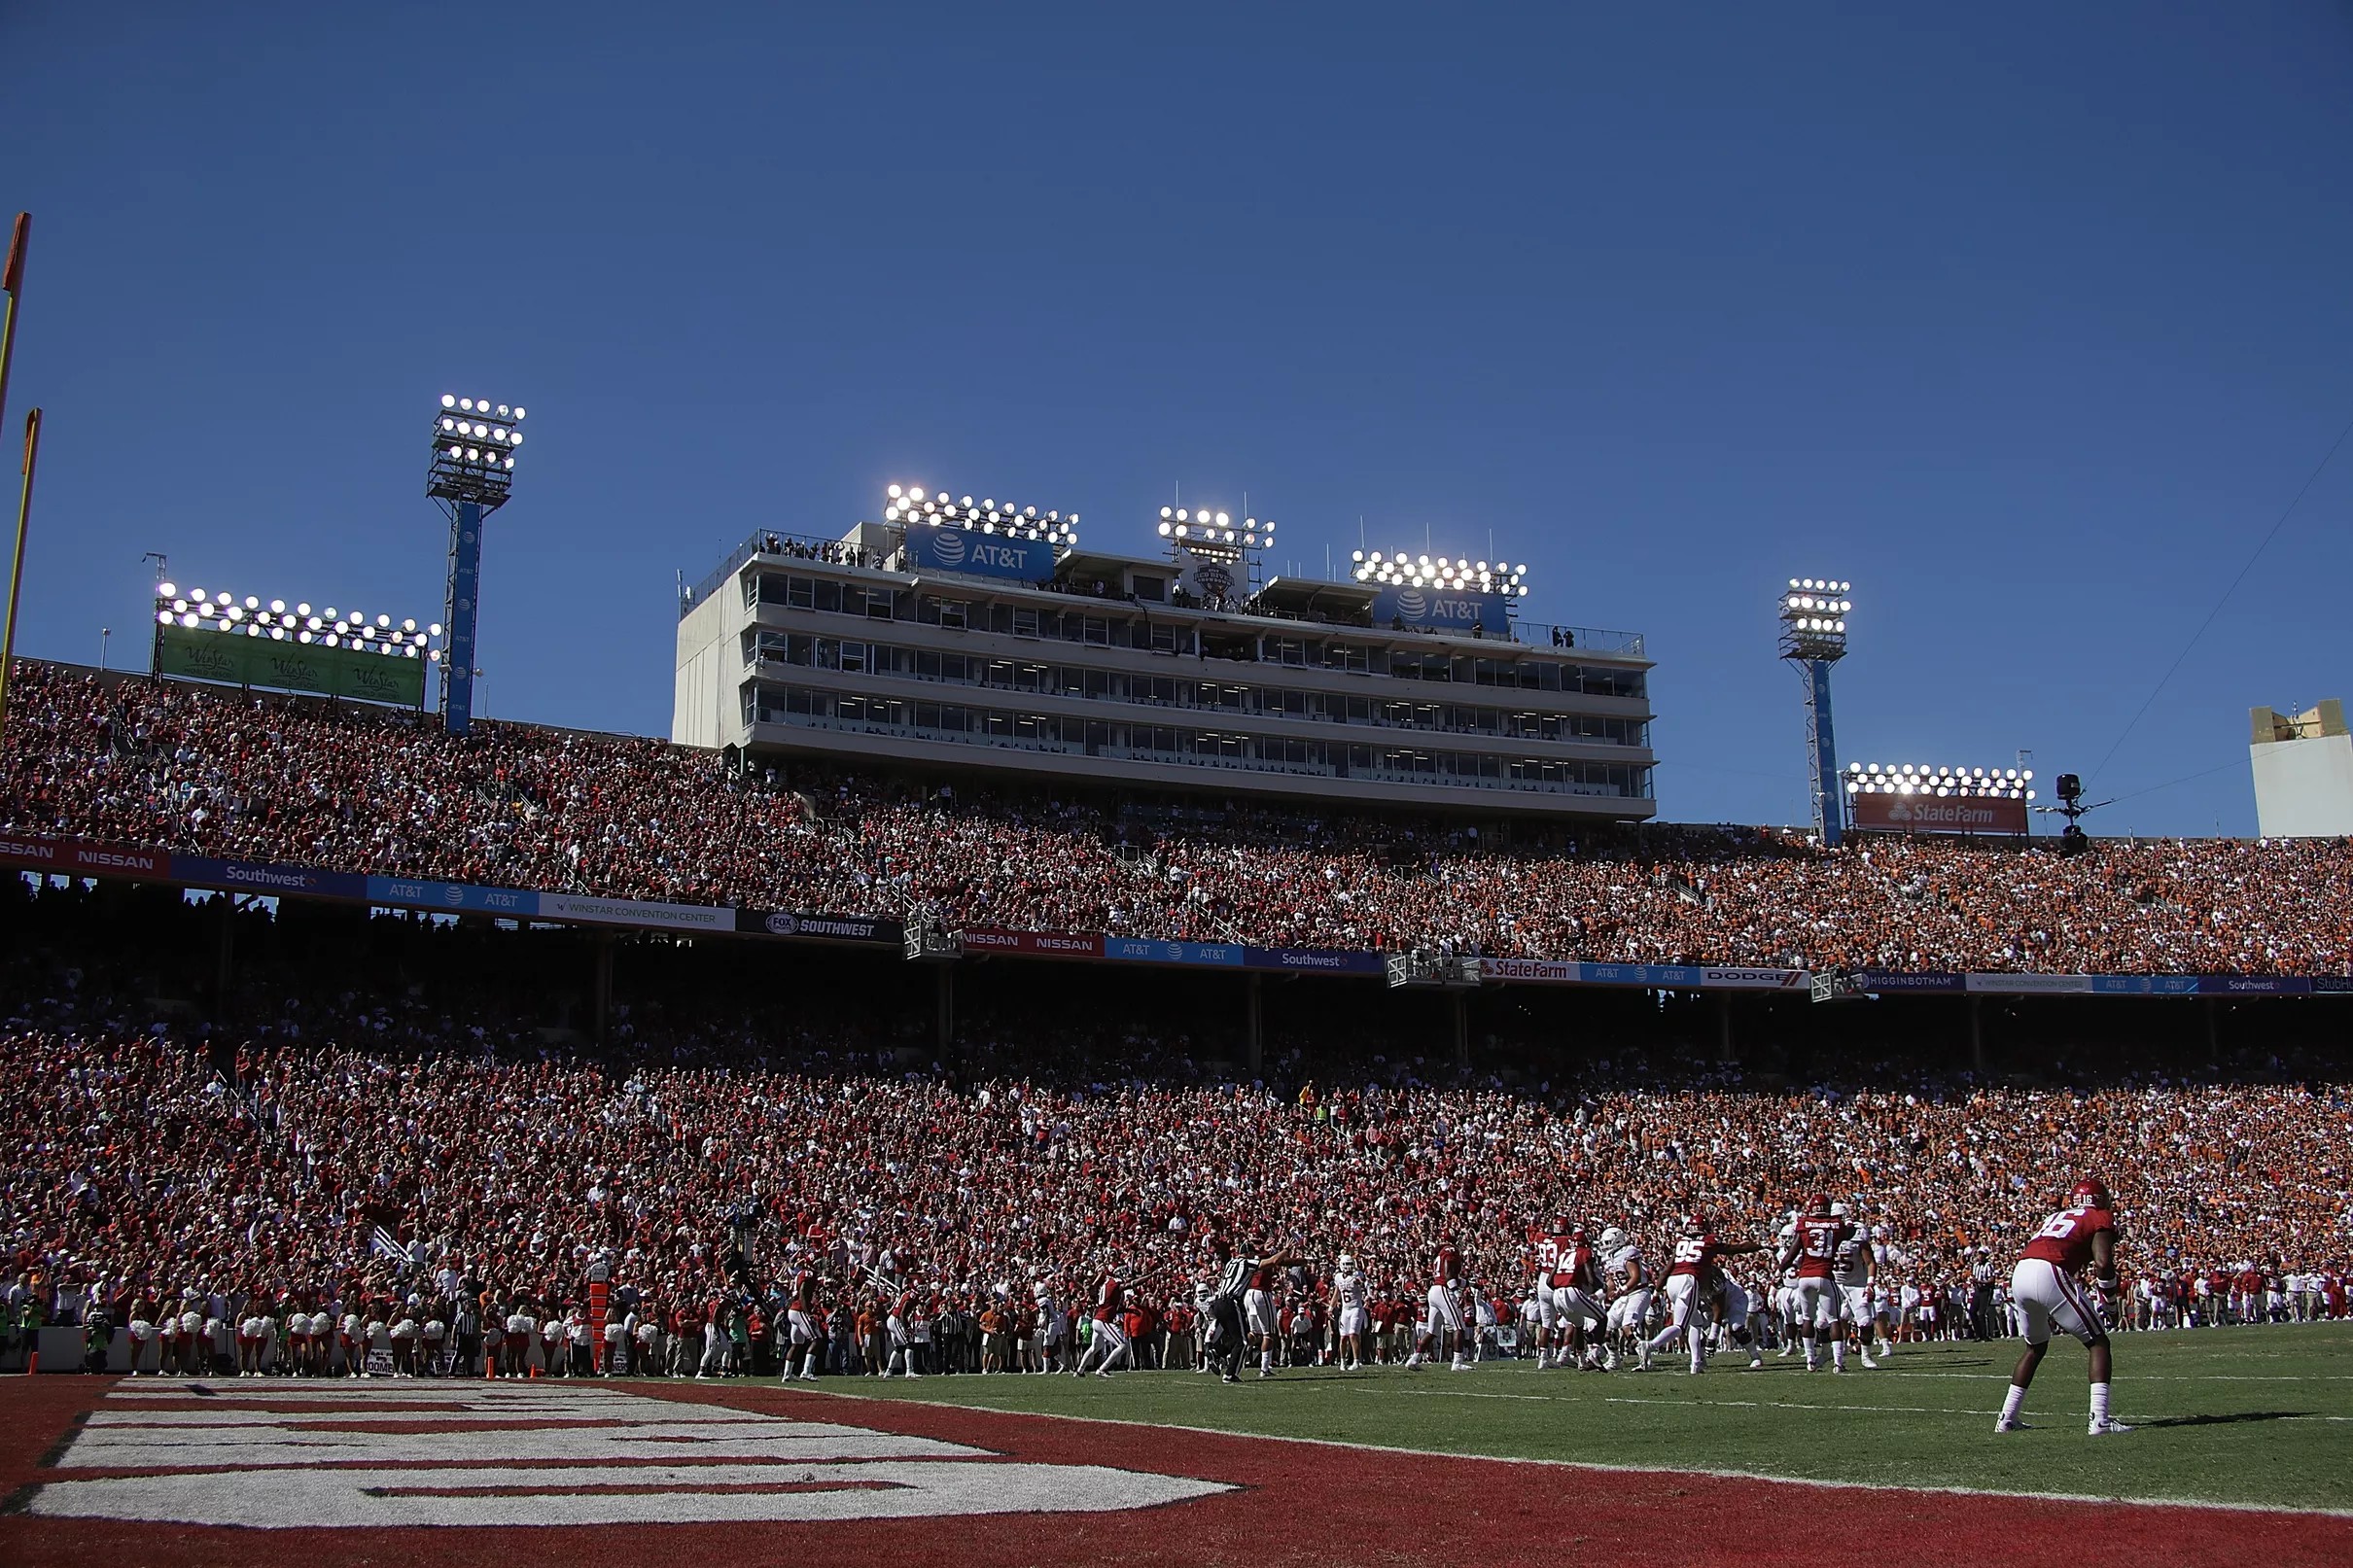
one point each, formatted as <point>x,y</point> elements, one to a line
<point>313,667</point>
<point>1880,811</point>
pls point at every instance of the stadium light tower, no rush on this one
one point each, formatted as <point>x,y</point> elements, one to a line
<point>1813,637</point>
<point>473,468</point>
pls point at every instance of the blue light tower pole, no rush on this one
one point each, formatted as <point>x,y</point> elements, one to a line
<point>473,470</point>
<point>1813,637</point>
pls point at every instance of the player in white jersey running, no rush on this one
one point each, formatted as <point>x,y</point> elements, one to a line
<point>1349,1297</point>
<point>1851,1268</point>
<point>1629,1284</point>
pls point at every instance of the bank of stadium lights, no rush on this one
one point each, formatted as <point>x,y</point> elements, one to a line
<point>913,505</point>
<point>475,431</point>
<point>474,441</point>
<point>1817,606</point>
<point>1189,527</point>
<point>225,613</point>
<point>1915,779</point>
<point>1460,572</point>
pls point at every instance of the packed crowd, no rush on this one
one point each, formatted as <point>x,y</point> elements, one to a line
<point>362,1160</point>
<point>201,770</point>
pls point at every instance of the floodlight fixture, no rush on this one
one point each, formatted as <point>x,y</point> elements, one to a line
<point>1455,573</point>
<point>225,613</point>
<point>1941,781</point>
<point>917,506</point>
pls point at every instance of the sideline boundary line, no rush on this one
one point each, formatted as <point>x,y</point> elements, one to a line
<point>1601,1467</point>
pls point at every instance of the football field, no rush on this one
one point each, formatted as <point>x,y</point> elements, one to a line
<point>2239,1457</point>
<point>2251,1416</point>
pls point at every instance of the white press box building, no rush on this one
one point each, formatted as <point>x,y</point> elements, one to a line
<point>962,634</point>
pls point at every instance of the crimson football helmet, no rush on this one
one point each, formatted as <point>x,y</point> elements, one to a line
<point>1818,1206</point>
<point>2089,1193</point>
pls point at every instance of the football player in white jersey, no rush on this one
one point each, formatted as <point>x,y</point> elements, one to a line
<point>1851,1268</point>
<point>1631,1286</point>
<point>1348,1297</point>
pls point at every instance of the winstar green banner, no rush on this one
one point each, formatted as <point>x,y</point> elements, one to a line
<point>260,661</point>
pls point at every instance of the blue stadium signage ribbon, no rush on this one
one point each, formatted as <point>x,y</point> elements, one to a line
<point>2145,986</point>
<point>1315,960</point>
<point>405,893</point>
<point>1889,980</point>
<point>1144,949</point>
<point>256,877</point>
<point>2253,985</point>
<point>826,927</point>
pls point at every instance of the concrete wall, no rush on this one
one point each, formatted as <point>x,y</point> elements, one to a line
<point>2304,788</point>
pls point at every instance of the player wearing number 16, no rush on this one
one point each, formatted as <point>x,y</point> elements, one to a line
<point>2048,1295</point>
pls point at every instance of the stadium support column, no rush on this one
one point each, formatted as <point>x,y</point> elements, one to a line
<point>465,580</point>
<point>604,984</point>
<point>1813,637</point>
<point>1255,1025</point>
<point>472,476</point>
<point>1976,1035</point>
<point>1822,755</point>
<point>1726,1051</point>
<point>1461,1000</point>
<point>945,1036</point>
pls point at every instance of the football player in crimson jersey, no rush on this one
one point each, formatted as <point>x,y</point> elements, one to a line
<point>1576,1289</point>
<point>1810,1249</point>
<point>1689,1283</point>
<point>1445,1331</point>
<point>2046,1292</point>
<point>1108,1341</point>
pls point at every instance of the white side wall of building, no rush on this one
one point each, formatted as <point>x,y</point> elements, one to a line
<point>2304,788</point>
<point>704,707</point>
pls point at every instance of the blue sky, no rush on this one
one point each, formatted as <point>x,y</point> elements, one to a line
<point>2031,322</point>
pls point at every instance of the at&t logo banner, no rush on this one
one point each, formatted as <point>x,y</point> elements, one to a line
<point>1440,609</point>
<point>977,554</point>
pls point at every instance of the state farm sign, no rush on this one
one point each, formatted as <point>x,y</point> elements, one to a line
<point>1882,812</point>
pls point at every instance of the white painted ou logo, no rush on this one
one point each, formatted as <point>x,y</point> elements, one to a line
<point>948,543</point>
<point>226,1463</point>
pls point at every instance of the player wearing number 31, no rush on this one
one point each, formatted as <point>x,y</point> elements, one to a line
<point>2045,1288</point>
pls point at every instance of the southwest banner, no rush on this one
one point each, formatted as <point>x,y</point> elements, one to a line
<point>312,667</point>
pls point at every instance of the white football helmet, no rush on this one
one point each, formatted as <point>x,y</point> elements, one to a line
<point>1346,1260</point>
<point>1838,1211</point>
<point>1613,1238</point>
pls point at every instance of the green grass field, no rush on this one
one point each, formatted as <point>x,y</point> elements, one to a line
<point>2257,1415</point>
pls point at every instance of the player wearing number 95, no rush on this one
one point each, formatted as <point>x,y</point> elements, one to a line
<point>2047,1294</point>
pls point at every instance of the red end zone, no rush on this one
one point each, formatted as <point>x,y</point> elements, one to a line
<point>423,1474</point>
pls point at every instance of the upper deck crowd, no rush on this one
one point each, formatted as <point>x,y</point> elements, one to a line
<point>204,770</point>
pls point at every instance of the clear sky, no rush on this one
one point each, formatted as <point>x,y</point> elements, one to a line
<point>2030,320</point>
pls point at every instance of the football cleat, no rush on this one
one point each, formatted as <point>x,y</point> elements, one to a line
<point>2103,1426</point>
<point>2009,1424</point>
